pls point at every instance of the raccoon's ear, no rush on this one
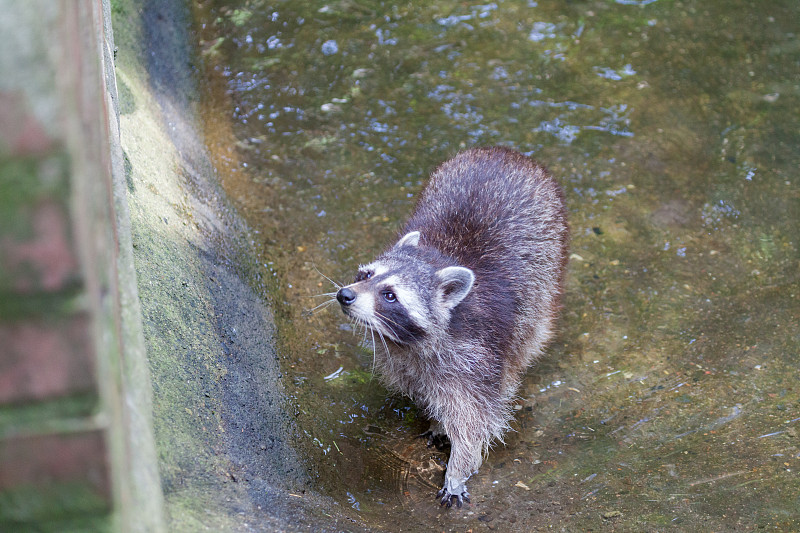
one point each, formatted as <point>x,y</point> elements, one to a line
<point>454,285</point>
<point>409,239</point>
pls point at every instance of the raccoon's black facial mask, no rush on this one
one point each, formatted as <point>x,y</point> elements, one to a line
<point>392,315</point>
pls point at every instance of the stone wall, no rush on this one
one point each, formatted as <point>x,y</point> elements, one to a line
<point>76,449</point>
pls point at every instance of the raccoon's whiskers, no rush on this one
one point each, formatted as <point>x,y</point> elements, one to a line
<point>355,324</point>
<point>323,304</point>
<point>364,341</point>
<point>372,333</point>
<point>337,285</point>
<point>327,294</point>
<point>385,347</point>
<point>364,328</point>
<point>386,321</point>
<point>373,326</point>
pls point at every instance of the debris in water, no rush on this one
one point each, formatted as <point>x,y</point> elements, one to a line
<point>330,47</point>
<point>335,374</point>
<point>353,502</point>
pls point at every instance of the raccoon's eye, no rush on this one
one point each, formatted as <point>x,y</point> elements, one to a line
<point>389,296</point>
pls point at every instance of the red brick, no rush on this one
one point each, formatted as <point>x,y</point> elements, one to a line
<point>43,359</point>
<point>45,260</point>
<point>41,460</point>
<point>21,133</point>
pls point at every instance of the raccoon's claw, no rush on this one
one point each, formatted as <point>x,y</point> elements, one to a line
<point>427,435</point>
<point>449,499</point>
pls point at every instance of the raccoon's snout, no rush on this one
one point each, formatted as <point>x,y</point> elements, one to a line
<point>346,296</point>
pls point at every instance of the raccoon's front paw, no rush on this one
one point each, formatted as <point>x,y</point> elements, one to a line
<point>436,436</point>
<point>449,495</point>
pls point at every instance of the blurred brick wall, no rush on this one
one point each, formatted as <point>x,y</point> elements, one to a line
<point>62,446</point>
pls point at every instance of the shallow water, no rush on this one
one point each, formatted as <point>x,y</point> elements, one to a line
<point>670,399</point>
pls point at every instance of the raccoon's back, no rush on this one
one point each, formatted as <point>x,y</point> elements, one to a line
<point>490,205</point>
<point>497,212</point>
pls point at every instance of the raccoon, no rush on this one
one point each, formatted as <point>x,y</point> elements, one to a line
<point>467,298</point>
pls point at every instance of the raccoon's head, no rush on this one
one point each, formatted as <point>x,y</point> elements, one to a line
<point>402,295</point>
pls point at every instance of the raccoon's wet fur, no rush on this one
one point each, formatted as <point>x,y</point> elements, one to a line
<point>467,298</point>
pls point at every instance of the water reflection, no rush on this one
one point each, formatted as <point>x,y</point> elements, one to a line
<point>671,397</point>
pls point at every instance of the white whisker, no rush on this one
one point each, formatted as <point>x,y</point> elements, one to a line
<point>386,321</point>
<point>385,347</point>
<point>337,285</point>
<point>364,341</point>
<point>327,294</point>
<point>372,332</point>
<point>323,304</point>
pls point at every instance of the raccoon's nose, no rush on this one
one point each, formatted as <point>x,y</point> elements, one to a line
<point>346,296</point>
